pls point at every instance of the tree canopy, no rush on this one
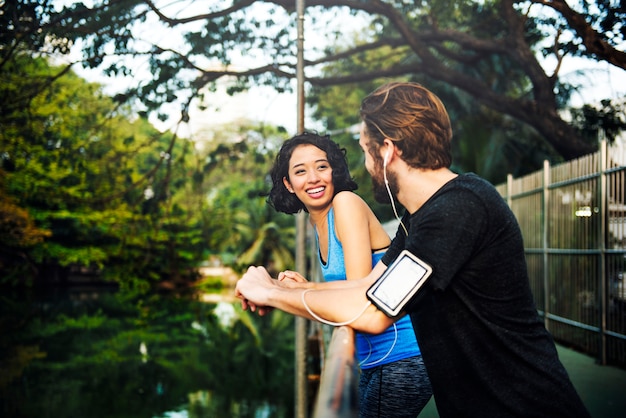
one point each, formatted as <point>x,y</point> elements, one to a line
<point>493,51</point>
<point>87,187</point>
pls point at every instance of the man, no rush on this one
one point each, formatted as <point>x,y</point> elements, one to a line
<point>486,350</point>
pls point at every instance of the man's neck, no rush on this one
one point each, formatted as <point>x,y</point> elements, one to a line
<point>418,185</point>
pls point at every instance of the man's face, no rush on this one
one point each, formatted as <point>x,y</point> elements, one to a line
<point>375,166</point>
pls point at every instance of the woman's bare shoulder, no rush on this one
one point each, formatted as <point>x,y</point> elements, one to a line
<point>347,199</point>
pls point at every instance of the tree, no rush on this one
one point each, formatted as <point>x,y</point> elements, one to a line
<point>452,42</point>
<point>485,142</point>
<point>76,169</point>
<point>85,186</point>
<point>18,233</point>
<point>239,221</point>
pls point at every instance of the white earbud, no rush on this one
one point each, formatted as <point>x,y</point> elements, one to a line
<point>385,160</point>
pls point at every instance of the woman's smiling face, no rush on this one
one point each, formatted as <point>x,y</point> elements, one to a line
<point>310,177</point>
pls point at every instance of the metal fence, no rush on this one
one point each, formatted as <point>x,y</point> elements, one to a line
<point>573,219</point>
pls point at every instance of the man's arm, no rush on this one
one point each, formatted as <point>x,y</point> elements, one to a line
<point>337,302</point>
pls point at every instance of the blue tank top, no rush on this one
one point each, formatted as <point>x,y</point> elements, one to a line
<point>398,341</point>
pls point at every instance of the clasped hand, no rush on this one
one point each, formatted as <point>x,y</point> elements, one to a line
<point>253,289</point>
<point>255,286</point>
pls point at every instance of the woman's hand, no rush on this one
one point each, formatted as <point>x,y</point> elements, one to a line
<point>293,276</point>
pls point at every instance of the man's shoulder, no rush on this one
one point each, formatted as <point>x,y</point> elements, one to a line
<point>464,196</point>
<point>472,184</point>
<point>472,180</point>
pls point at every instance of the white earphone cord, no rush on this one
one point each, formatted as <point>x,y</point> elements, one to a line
<point>338,324</point>
<point>322,320</point>
<point>393,205</point>
<point>395,340</point>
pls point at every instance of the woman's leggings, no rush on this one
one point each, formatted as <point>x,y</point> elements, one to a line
<point>395,390</point>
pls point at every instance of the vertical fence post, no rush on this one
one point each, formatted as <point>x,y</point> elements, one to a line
<point>509,190</point>
<point>603,212</point>
<point>545,221</point>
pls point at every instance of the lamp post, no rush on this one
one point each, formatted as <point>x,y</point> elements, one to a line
<point>300,323</point>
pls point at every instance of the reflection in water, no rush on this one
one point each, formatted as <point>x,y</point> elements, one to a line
<point>226,314</point>
<point>203,404</point>
<point>109,355</point>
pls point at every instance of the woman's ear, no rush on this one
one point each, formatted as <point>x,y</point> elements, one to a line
<point>287,185</point>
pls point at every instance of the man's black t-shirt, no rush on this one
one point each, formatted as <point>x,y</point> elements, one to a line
<point>486,350</point>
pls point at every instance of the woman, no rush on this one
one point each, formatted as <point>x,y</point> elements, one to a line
<point>311,174</point>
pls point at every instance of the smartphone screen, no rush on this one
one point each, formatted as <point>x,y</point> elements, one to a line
<point>402,279</point>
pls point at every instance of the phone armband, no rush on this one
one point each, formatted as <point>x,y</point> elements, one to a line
<point>398,283</point>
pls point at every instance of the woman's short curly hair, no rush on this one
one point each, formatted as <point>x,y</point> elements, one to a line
<point>284,201</point>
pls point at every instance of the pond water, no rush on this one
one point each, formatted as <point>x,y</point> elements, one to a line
<point>104,354</point>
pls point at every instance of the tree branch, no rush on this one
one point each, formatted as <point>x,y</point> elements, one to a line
<point>595,43</point>
<point>240,5</point>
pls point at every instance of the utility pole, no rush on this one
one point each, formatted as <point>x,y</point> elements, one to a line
<point>301,403</point>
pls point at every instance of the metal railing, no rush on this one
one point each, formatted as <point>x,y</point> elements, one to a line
<point>338,390</point>
<point>573,219</point>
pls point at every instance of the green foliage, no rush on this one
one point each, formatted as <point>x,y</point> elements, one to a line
<point>607,118</point>
<point>210,283</point>
<point>74,172</point>
<point>87,188</point>
<point>236,218</point>
<point>18,233</point>
<point>148,354</point>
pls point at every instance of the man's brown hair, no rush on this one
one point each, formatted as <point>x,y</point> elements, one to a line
<point>414,119</point>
